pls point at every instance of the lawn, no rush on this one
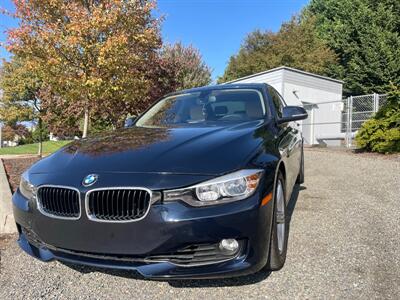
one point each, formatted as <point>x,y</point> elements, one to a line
<point>48,147</point>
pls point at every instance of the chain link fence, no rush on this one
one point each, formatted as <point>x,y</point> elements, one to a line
<point>335,123</point>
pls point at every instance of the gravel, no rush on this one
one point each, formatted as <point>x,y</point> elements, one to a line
<point>344,243</point>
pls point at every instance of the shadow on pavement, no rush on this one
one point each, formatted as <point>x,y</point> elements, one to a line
<point>236,281</point>
<point>198,283</point>
<point>178,283</point>
<point>293,200</point>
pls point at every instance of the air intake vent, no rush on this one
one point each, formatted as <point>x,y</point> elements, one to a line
<point>198,255</point>
<point>118,205</point>
<point>59,202</point>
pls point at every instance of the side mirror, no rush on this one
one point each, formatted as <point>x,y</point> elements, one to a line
<point>292,113</point>
<point>129,122</point>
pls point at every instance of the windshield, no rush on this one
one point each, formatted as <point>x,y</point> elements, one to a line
<point>201,107</point>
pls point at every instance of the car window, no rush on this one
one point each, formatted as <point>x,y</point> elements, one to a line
<point>277,101</point>
<point>236,105</point>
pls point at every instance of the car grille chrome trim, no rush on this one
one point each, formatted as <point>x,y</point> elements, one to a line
<point>118,204</point>
<point>59,202</point>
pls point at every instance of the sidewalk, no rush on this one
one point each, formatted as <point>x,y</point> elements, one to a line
<point>11,156</point>
<point>7,224</point>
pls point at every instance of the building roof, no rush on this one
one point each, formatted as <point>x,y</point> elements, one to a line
<point>288,69</point>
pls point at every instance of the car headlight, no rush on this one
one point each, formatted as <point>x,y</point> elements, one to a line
<point>26,188</point>
<point>232,187</point>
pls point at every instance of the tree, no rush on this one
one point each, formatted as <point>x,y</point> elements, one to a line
<point>177,67</point>
<point>21,84</point>
<point>294,45</point>
<point>15,132</point>
<point>94,56</point>
<point>60,117</point>
<point>365,35</point>
<point>8,133</point>
<point>188,70</point>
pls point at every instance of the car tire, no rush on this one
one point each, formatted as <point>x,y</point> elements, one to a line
<point>278,240</point>
<point>300,177</point>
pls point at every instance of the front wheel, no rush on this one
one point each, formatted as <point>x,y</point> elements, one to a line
<point>279,234</point>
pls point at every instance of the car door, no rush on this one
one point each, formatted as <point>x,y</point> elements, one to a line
<point>289,138</point>
<point>296,143</point>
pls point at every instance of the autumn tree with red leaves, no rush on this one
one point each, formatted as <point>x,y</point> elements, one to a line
<point>93,56</point>
<point>186,65</point>
<point>177,67</point>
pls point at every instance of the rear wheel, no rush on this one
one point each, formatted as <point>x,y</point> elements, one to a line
<point>279,234</point>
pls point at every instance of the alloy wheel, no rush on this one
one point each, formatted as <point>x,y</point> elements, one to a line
<point>280,216</point>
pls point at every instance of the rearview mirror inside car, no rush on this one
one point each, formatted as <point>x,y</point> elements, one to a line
<point>129,122</point>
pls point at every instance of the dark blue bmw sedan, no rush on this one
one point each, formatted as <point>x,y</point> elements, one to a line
<point>196,187</point>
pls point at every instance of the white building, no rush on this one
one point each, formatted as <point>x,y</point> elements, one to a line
<point>321,96</point>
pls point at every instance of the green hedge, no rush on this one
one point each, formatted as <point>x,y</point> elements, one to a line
<point>382,132</point>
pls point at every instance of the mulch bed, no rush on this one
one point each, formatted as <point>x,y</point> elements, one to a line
<point>15,167</point>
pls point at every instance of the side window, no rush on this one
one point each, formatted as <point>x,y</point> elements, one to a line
<point>277,101</point>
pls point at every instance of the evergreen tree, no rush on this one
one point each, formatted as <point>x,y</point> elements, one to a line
<point>365,35</point>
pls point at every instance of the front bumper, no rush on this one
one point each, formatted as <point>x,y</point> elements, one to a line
<point>167,227</point>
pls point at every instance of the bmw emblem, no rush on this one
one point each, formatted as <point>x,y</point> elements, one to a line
<point>90,179</point>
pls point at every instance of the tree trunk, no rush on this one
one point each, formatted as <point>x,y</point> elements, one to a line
<point>1,136</point>
<point>85,123</point>
<point>40,146</point>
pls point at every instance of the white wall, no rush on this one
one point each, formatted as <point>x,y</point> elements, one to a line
<point>308,94</point>
<point>275,79</point>
<point>310,89</point>
<point>322,113</point>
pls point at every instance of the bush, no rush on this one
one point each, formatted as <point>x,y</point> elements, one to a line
<point>382,132</point>
<point>25,141</point>
<point>43,133</point>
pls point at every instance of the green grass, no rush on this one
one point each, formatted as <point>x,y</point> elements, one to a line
<point>48,147</point>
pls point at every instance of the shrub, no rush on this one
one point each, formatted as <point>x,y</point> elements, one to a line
<point>43,133</point>
<point>382,132</point>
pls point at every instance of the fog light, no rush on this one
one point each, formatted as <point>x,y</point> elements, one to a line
<point>229,245</point>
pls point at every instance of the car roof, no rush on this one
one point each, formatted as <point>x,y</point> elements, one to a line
<point>238,86</point>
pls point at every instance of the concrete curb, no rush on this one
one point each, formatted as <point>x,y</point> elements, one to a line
<point>12,156</point>
<point>7,223</point>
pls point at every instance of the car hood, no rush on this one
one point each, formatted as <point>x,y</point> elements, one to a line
<point>209,150</point>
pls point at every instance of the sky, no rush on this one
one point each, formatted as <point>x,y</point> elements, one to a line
<point>216,27</point>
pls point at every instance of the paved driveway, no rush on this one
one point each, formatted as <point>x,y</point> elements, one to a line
<point>344,243</point>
